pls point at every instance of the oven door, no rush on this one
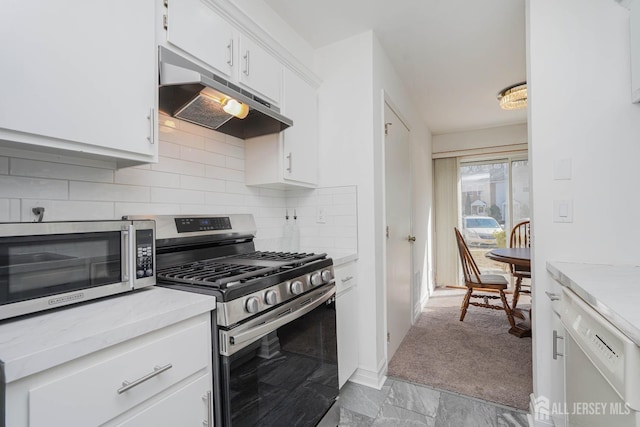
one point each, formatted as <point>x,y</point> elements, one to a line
<point>282,370</point>
<point>46,265</point>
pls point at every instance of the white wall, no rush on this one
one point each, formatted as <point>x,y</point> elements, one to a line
<point>355,72</point>
<point>580,109</point>
<point>496,139</point>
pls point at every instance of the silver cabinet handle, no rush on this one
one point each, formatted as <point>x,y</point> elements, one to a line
<point>346,279</point>
<point>246,63</point>
<point>126,385</point>
<point>209,402</point>
<point>552,296</point>
<point>230,49</point>
<point>152,127</point>
<point>290,158</point>
<point>556,337</point>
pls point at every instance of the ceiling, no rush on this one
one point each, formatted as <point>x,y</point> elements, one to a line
<point>454,55</point>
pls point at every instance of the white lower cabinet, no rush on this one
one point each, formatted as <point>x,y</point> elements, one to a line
<point>347,321</point>
<point>159,378</point>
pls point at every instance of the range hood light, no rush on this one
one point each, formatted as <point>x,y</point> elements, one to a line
<point>235,108</point>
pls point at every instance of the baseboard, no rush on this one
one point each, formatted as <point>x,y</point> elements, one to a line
<point>373,379</point>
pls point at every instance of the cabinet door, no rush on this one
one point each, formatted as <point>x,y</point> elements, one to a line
<point>80,75</point>
<point>195,28</point>
<point>192,405</point>
<point>300,149</point>
<point>634,24</point>
<point>260,71</point>
<point>346,325</point>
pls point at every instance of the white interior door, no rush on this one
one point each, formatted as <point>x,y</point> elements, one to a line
<point>398,215</point>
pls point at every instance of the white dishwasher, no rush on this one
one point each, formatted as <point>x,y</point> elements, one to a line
<point>602,369</point>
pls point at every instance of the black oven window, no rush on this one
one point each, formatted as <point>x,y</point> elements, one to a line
<point>38,266</point>
<point>287,378</point>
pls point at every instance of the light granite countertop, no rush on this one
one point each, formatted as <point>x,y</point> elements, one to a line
<point>613,291</point>
<point>38,342</point>
<point>340,257</point>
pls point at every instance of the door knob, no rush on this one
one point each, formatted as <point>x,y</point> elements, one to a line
<point>411,238</point>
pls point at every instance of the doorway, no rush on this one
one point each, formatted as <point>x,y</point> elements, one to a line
<point>398,229</point>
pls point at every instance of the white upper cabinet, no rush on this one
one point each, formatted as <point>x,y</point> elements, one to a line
<point>195,28</point>
<point>259,70</point>
<point>291,157</point>
<point>301,140</point>
<point>80,76</point>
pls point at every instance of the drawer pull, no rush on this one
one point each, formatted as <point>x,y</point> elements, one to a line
<point>346,279</point>
<point>126,385</point>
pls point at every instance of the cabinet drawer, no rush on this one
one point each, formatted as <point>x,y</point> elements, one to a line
<point>194,403</point>
<point>345,276</point>
<point>91,396</point>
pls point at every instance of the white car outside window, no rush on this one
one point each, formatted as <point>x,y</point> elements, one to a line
<point>480,230</point>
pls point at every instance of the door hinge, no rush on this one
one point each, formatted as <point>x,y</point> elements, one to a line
<point>166,3</point>
<point>387,232</point>
<point>386,128</point>
<point>165,22</point>
<point>388,337</point>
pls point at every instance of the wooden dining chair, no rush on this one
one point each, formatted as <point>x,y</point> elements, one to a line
<point>520,238</point>
<point>480,286</point>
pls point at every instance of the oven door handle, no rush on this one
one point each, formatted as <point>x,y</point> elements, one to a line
<point>268,327</point>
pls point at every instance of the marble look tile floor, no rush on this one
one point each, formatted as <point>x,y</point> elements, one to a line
<point>400,403</point>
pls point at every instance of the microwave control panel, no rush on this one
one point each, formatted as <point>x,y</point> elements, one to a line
<point>144,253</point>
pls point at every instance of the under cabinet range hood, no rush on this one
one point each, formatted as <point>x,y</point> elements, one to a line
<point>191,93</point>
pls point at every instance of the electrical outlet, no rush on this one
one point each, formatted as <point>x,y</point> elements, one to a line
<point>320,215</point>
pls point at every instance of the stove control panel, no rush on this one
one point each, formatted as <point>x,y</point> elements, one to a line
<point>191,225</point>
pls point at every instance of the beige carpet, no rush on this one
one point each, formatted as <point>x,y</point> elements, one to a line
<point>477,357</point>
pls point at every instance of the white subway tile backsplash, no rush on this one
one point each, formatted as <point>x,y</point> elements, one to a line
<point>233,163</point>
<point>224,199</point>
<point>168,149</point>
<point>201,156</point>
<point>224,173</point>
<point>18,187</point>
<point>146,177</point>
<point>68,210</point>
<point>5,210</point>
<point>180,167</point>
<point>182,139</point>
<point>79,190</point>
<point>200,183</point>
<point>40,169</point>
<point>225,148</point>
<point>122,209</point>
<point>177,196</point>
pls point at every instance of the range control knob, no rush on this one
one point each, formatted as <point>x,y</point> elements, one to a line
<point>326,275</point>
<point>316,279</point>
<point>252,304</point>
<point>271,297</point>
<point>296,287</point>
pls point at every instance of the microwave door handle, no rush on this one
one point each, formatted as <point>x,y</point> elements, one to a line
<point>268,327</point>
<point>124,251</point>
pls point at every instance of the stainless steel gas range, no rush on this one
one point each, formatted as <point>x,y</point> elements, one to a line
<point>276,351</point>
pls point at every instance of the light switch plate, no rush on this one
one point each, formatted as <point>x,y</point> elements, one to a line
<point>563,211</point>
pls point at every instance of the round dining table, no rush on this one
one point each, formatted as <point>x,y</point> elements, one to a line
<point>516,256</point>
<point>520,257</point>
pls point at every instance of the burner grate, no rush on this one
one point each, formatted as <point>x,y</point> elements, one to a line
<point>230,271</point>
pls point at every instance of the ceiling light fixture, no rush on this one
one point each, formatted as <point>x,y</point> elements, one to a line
<point>513,97</point>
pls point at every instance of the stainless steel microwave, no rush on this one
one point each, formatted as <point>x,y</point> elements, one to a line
<point>44,265</point>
